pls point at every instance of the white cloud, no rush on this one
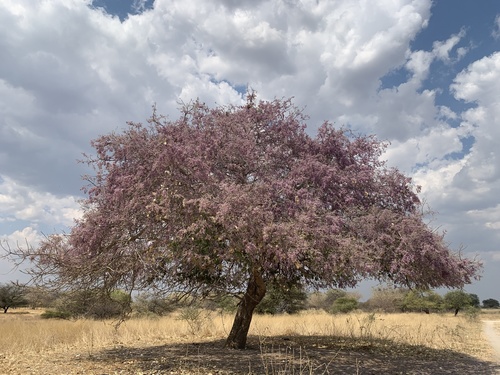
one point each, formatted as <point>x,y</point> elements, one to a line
<point>69,73</point>
<point>19,202</point>
<point>27,236</point>
<point>443,49</point>
<point>496,27</point>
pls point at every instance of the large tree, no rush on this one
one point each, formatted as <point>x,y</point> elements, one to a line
<point>232,199</point>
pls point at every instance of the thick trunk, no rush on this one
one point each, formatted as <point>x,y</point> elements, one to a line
<point>256,290</point>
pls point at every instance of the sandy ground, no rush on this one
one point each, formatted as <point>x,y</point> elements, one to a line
<point>492,332</point>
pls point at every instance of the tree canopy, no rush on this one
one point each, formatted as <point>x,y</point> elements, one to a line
<point>233,198</point>
<point>12,295</point>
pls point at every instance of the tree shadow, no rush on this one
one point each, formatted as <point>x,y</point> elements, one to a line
<point>295,355</point>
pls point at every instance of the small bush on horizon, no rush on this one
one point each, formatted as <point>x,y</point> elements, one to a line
<point>344,305</point>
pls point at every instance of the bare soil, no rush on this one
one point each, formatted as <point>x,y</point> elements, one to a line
<point>492,333</point>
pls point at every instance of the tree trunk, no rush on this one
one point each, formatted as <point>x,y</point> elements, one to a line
<point>256,290</point>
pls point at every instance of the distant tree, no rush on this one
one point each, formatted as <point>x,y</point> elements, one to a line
<point>344,305</point>
<point>11,295</point>
<point>149,303</point>
<point>324,300</point>
<point>422,301</point>
<point>491,303</point>
<point>93,304</point>
<point>234,199</point>
<point>474,300</point>
<point>388,299</point>
<point>39,296</point>
<point>457,300</point>
<point>279,299</point>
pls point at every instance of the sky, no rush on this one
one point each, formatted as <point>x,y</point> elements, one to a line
<point>423,75</point>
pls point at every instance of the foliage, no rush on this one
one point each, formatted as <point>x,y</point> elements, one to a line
<point>457,300</point>
<point>195,317</point>
<point>234,199</point>
<point>344,305</point>
<point>387,299</point>
<point>282,300</point>
<point>92,304</point>
<point>39,296</point>
<point>324,300</point>
<point>148,303</point>
<point>55,314</point>
<point>226,303</point>
<point>491,303</point>
<point>12,295</point>
<point>475,300</point>
<point>422,301</point>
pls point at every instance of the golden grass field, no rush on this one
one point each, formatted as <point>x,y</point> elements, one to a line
<point>190,342</point>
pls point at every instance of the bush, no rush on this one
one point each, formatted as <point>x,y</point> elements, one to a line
<point>386,299</point>
<point>325,300</point>
<point>344,305</point>
<point>422,301</point>
<point>93,304</point>
<point>149,304</point>
<point>281,299</point>
<point>54,314</point>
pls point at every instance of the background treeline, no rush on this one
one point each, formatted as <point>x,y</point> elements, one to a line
<point>278,300</point>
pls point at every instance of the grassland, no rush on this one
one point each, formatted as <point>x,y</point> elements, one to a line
<point>191,342</point>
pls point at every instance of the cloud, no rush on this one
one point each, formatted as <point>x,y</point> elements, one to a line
<point>18,202</point>
<point>443,49</point>
<point>496,28</point>
<point>27,236</point>
<point>70,72</point>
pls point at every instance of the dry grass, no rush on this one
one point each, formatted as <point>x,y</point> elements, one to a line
<point>32,345</point>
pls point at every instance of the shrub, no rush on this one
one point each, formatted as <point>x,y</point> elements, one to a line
<point>280,299</point>
<point>386,299</point>
<point>344,305</point>
<point>55,314</point>
<point>422,301</point>
<point>149,304</point>
<point>94,304</point>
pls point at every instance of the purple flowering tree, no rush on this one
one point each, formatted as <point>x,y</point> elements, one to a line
<point>231,199</point>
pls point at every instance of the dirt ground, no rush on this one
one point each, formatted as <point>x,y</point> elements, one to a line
<point>280,355</point>
<point>492,333</point>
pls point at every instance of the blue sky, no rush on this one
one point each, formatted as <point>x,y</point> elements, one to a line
<point>423,75</point>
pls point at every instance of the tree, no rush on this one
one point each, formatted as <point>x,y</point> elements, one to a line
<point>344,305</point>
<point>233,199</point>
<point>457,300</point>
<point>40,296</point>
<point>282,299</point>
<point>422,301</point>
<point>474,300</point>
<point>388,299</point>
<point>491,303</point>
<point>325,300</point>
<point>93,304</point>
<point>11,295</point>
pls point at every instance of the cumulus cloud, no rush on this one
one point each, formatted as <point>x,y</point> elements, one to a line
<point>70,72</point>
<point>480,84</point>
<point>18,202</point>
